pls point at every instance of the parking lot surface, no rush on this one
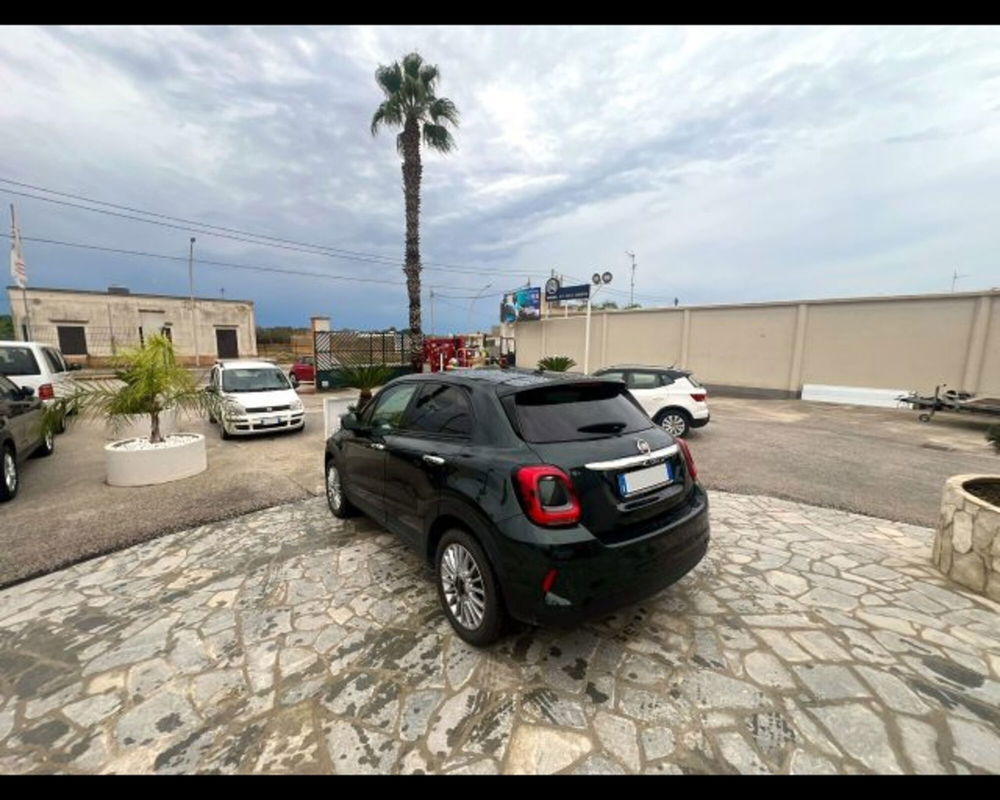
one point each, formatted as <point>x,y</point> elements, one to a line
<point>873,461</point>
<point>808,640</point>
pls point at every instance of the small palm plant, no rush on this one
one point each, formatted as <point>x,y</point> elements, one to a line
<point>149,381</point>
<point>556,363</point>
<point>365,377</point>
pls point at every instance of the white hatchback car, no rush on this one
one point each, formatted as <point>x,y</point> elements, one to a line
<point>38,365</point>
<point>259,398</point>
<point>672,397</point>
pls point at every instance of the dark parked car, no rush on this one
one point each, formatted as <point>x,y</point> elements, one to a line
<point>20,434</point>
<point>546,497</point>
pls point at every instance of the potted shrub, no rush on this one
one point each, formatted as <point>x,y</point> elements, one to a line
<point>556,363</point>
<point>365,377</point>
<point>149,384</point>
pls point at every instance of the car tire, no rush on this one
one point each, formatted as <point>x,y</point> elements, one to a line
<point>47,447</point>
<point>8,468</point>
<point>294,380</point>
<point>460,558</point>
<point>223,433</point>
<point>675,421</point>
<point>336,498</point>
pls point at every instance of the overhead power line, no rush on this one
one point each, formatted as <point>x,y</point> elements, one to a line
<point>265,240</point>
<point>234,234</point>
<point>208,262</point>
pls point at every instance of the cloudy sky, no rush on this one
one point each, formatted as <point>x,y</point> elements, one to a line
<point>737,163</point>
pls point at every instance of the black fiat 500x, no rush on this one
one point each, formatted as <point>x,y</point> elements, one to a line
<point>544,496</point>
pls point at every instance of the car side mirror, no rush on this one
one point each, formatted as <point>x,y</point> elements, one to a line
<point>24,392</point>
<point>74,367</point>
<point>350,422</point>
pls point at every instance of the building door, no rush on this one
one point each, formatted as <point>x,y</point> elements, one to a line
<point>225,342</point>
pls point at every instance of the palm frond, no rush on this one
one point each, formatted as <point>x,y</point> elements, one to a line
<point>412,62</point>
<point>389,77</point>
<point>148,381</point>
<point>429,75</point>
<point>389,112</point>
<point>438,138</point>
<point>441,108</point>
<point>365,376</point>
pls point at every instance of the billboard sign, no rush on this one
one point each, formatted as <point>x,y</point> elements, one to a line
<point>580,292</point>
<point>521,305</point>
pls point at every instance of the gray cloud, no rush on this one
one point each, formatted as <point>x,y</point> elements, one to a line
<point>739,164</point>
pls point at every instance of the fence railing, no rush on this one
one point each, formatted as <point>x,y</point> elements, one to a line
<point>336,349</point>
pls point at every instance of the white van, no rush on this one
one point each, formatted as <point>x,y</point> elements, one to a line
<point>40,366</point>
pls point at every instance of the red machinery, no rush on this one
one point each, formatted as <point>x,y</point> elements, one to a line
<point>439,352</point>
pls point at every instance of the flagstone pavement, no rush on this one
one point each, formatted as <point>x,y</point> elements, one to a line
<point>808,641</point>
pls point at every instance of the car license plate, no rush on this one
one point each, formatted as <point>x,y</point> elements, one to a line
<point>269,421</point>
<point>642,479</point>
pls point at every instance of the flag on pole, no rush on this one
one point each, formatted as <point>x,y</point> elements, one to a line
<point>17,270</point>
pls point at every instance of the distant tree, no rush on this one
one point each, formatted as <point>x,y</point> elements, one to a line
<point>604,305</point>
<point>6,326</point>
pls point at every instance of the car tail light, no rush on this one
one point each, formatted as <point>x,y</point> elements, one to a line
<point>698,398</point>
<point>547,495</point>
<point>45,392</point>
<point>549,580</point>
<point>688,459</point>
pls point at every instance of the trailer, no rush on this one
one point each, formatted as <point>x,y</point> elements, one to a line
<point>951,400</point>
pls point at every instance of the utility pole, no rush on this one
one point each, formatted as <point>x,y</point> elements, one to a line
<point>432,312</point>
<point>194,308</point>
<point>631,293</point>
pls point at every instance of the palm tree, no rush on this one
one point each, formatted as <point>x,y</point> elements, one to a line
<point>148,382</point>
<point>411,104</point>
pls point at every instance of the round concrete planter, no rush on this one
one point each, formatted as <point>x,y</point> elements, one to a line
<point>164,464</point>
<point>967,539</point>
<point>138,428</point>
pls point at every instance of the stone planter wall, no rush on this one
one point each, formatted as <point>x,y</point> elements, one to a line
<point>967,539</point>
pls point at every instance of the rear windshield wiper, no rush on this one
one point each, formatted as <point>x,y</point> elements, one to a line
<point>603,427</point>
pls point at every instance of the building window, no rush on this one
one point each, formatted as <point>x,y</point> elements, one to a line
<point>142,339</point>
<point>72,340</point>
<point>166,331</point>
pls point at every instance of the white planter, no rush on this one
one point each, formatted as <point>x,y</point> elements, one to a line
<point>139,427</point>
<point>170,462</point>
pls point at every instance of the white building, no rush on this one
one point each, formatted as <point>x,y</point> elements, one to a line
<point>90,326</point>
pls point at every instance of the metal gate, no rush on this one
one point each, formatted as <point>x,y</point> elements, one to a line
<point>336,350</point>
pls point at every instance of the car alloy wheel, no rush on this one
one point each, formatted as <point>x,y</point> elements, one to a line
<point>462,582</point>
<point>9,473</point>
<point>334,492</point>
<point>674,424</point>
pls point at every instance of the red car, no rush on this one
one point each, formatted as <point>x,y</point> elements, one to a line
<point>304,369</point>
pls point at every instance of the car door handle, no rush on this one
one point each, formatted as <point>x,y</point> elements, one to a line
<point>436,461</point>
<point>377,446</point>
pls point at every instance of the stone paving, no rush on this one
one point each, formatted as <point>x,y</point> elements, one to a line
<point>808,641</point>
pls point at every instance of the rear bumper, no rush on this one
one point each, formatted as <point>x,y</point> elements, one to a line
<point>700,423</point>
<point>594,579</point>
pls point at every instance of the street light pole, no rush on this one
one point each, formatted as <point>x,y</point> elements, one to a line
<point>194,308</point>
<point>468,321</point>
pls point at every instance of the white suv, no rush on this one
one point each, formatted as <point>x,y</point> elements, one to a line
<point>258,396</point>
<point>671,396</point>
<point>40,366</point>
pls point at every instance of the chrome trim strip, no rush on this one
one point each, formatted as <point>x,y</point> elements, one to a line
<point>632,461</point>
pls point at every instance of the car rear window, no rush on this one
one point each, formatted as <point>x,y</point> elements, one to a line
<point>18,361</point>
<point>577,412</point>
